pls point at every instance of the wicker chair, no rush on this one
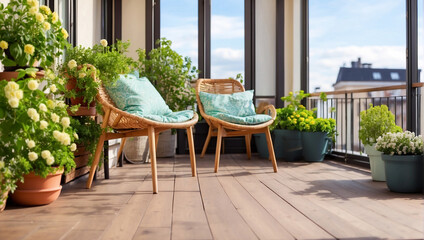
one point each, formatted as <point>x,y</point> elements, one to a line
<point>128,125</point>
<point>219,128</point>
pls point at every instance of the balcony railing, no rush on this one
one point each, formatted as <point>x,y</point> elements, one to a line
<point>345,107</point>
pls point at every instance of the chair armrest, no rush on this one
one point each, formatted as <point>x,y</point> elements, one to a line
<point>268,109</point>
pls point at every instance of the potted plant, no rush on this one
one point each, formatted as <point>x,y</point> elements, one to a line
<point>171,74</point>
<point>29,34</point>
<point>88,134</point>
<point>402,155</point>
<point>39,139</point>
<point>375,122</point>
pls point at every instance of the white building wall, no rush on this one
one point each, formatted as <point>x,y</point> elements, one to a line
<point>88,22</point>
<point>265,47</point>
<point>134,24</point>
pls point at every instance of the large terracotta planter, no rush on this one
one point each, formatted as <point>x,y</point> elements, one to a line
<point>8,75</point>
<point>404,173</point>
<point>376,164</point>
<point>36,190</point>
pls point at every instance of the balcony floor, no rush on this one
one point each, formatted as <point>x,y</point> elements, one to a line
<point>245,200</point>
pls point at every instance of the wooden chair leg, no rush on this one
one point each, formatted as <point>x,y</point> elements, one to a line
<point>248,149</point>
<point>218,147</point>
<point>121,147</point>
<point>208,139</point>
<point>271,149</point>
<point>152,146</point>
<point>192,150</point>
<point>96,160</point>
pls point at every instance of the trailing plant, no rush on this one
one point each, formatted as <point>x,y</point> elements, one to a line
<point>400,143</point>
<point>89,132</point>
<point>35,130</point>
<point>30,33</point>
<point>170,73</point>
<point>374,122</point>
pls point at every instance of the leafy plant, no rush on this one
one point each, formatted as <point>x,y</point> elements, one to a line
<point>35,130</point>
<point>375,122</point>
<point>30,33</point>
<point>293,104</point>
<point>170,73</point>
<point>400,143</point>
<point>89,132</point>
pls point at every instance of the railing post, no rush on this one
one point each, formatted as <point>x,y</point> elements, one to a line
<point>412,63</point>
<point>346,127</point>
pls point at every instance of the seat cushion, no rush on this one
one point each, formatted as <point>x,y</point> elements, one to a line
<point>247,120</point>
<point>237,104</point>
<point>137,95</point>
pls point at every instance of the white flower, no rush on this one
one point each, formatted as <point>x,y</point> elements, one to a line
<point>43,124</point>
<point>103,42</point>
<point>42,107</point>
<point>33,84</point>
<point>13,102</point>
<point>33,114</point>
<point>50,160</point>
<point>32,156</point>
<point>72,64</point>
<point>39,17</point>
<point>73,147</point>
<point>51,104</point>
<point>76,136</point>
<point>45,154</point>
<point>60,104</point>
<point>65,122</point>
<point>55,117</point>
<point>11,86</point>
<point>30,143</point>
<point>19,94</point>
<point>56,135</point>
<point>53,88</point>
<point>81,75</point>
<point>66,139</point>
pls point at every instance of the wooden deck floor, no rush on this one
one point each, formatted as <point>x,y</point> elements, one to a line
<point>245,200</point>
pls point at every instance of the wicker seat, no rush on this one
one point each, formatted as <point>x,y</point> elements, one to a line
<point>219,128</point>
<point>128,125</point>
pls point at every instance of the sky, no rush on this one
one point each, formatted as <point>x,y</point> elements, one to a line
<point>340,31</point>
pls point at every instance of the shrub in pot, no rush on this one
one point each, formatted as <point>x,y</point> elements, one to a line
<point>39,139</point>
<point>374,122</point>
<point>402,155</point>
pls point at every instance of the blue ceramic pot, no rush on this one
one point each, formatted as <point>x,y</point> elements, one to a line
<point>287,144</point>
<point>315,146</point>
<point>404,173</point>
<point>262,145</point>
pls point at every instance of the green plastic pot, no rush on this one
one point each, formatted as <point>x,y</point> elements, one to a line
<point>287,144</point>
<point>404,173</point>
<point>376,163</point>
<point>262,145</point>
<point>315,146</point>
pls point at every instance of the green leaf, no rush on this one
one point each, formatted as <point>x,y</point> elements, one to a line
<point>15,50</point>
<point>8,62</point>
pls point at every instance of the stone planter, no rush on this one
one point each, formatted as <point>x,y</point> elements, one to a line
<point>404,173</point>
<point>376,163</point>
<point>166,144</point>
<point>315,146</point>
<point>36,190</point>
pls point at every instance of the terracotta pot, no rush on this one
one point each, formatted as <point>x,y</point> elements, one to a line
<point>72,84</point>
<point>36,190</point>
<point>8,75</point>
<point>3,199</point>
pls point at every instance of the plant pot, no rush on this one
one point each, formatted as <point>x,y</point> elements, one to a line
<point>404,173</point>
<point>166,144</point>
<point>262,145</point>
<point>8,75</point>
<point>136,149</point>
<point>315,146</point>
<point>287,144</point>
<point>3,199</point>
<point>36,190</point>
<point>376,163</point>
<point>72,84</point>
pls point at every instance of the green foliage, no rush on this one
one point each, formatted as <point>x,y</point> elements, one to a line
<point>109,62</point>
<point>239,77</point>
<point>30,33</point>
<point>170,73</point>
<point>88,133</point>
<point>400,143</point>
<point>375,122</point>
<point>34,129</point>
<point>293,104</point>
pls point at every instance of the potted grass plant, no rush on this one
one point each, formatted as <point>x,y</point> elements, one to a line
<point>36,139</point>
<point>402,155</point>
<point>374,122</point>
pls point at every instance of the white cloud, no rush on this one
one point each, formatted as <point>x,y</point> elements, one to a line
<point>227,62</point>
<point>223,27</point>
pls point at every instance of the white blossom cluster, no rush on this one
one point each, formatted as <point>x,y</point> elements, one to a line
<point>400,143</point>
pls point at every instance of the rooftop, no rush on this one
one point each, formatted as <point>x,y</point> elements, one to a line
<point>245,200</point>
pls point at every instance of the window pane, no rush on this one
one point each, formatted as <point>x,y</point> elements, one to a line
<point>347,38</point>
<point>227,38</point>
<point>178,20</point>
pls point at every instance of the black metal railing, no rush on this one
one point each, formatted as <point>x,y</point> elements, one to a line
<point>345,107</point>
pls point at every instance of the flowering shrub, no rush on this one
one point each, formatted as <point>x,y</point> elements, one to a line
<point>293,104</point>
<point>29,32</point>
<point>400,143</point>
<point>35,130</point>
<point>375,122</point>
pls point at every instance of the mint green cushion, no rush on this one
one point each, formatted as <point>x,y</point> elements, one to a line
<point>139,97</point>
<point>238,104</point>
<point>247,120</point>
